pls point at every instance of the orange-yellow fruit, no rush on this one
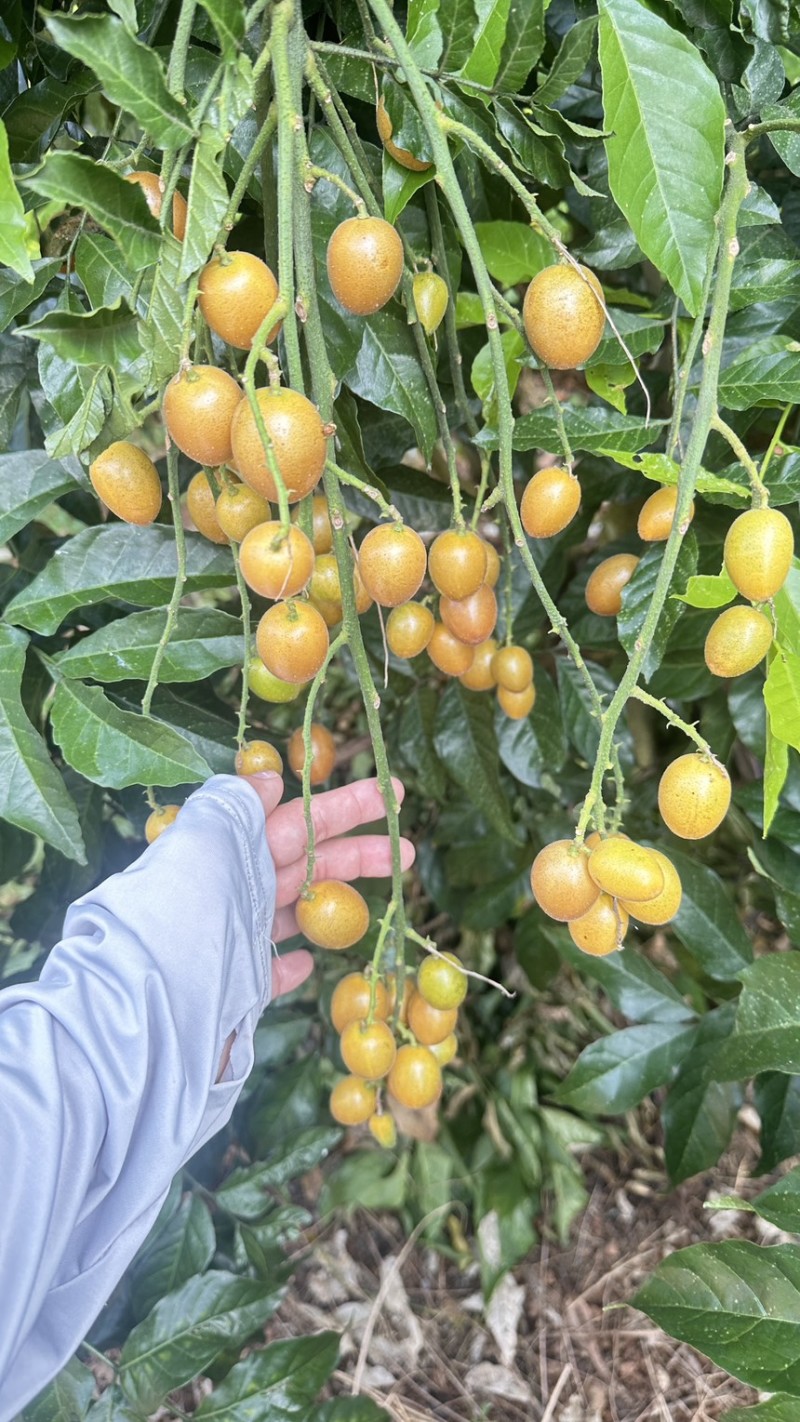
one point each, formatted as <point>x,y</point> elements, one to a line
<point>351,997</point>
<point>457,563</point>
<point>666,904</point>
<point>606,585</point>
<point>441,981</point>
<point>158,820</point>
<point>446,1050</point>
<point>325,587</point>
<point>323,753</point>
<point>493,564</point>
<point>415,1080</point>
<point>693,796</point>
<point>737,641</point>
<point>237,290</point>
<point>127,482</point>
<point>392,562</point>
<point>409,629</point>
<point>368,1051</point>
<point>563,317</point>
<point>657,515</point>
<point>430,1024</point>
<point>298,443</point>
<point>601,929</point>
<point>759,548</point>
<point>352,1101</point>
<point>292,641</point>
<point>470,619</point>
<point>322,533</point>
<point>626,870</point>
<point>403,156</point>
<point>198,409</point>
<point>561,883</point>
<point>268,687</point>
<point>480,676</point>
<point>365,264</point>
<point>383,1128</point>
<point>240,508</point>
<point>430,300</point>
<point>408,992</point>
<point>153,189</point>
<point>516,704</point>
<point>451,656</point>
<point>513,668</point>
<point>332,914</point>
<point>550,502</point>
<point>276,564</point>
<point>255,756</point>
<point>202,508</point>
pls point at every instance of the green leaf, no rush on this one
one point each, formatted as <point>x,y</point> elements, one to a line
<point>610,382</point>
<point>767,1032</point>
<point>777,1101</point>
<point>247,1192</point>
<point>136,565</point>
<point>522,47</point>
<point>776,769</point>
<point>779,1408</point>
<point>708,590</point>
<point>387,372</point>
<point>537,743</point>
<point>780,1203</point>
<point>423,32</point>
<point>66,1399</point>
<point>13,228</point>
<point>660,100</point>
<point>590,429</point>
<point>737,1303</point>
<point>29,481</point>
<point>88,420</point>
<point>203,641</point>
<point>614,1073</point>
<point>782,696</point>
<point>32,793</point>
<point>766,268</point>
<point>482,372</point>
<point>457,21</point>
<point>665,471</point>
<point>637,989</point>
<point>399,186</point>
<point>766,372</point>
<point>131,73</point>
<point>699,1113</point>
<point>638,595</point>
<point>117,206</point>
<point>465,743</point>
<point>706,921</point>
<point>197,715</point>
<point>101,268</point>
<point>17,292</point>
<point>164,313</point>
<point>274,1383</point>
<point>416,729</point>
<point>182,1247</point>
<point>354,1409</point>
<point>570,62</point>
<point>512,251</point>
<point>108,337</point>
<point>119,748</point>
<point>487,41</point>
<point>227,17</point>
<point>187,1330</point>
<point>208,201</point>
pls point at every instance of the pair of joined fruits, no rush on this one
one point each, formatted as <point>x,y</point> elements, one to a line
<point>596,887</point>
<point>758,553</point>
<point>406,1055</point>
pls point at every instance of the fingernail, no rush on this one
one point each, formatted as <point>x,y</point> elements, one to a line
<point>266,775</point>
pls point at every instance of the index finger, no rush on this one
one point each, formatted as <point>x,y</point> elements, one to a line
<point>334,812</point>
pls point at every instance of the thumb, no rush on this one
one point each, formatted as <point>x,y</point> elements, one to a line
<point>268,786</point>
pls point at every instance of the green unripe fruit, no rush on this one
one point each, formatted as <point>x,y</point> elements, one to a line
<point>430,299</point>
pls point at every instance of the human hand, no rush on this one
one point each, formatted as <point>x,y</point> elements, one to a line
<point>339,855</point>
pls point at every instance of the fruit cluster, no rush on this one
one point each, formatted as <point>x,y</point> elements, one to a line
<point>396,1048</point>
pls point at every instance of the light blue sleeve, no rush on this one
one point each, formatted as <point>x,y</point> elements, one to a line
<point>108,1068</point>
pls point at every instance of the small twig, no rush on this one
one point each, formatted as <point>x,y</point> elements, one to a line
<point>674,720</point>
<point>760,490</point>
<point>430,947</point>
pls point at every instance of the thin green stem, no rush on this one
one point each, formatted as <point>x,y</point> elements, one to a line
<point>508,586</point>
<point>284,17</point>
<point>308,716</point>
<point>101,1357</point>
<point>176,73</point>
<point>388,61</point>
<point>760,490</point>
<point>569,458</point>
<point>493,160</point>
<point>776,439</point>
<point>674,720</point>
<point>778,125</point>
<point>377,959</point>
<point>343,129</point>
<point>439,252</point>
<point>244,598</point>
<point>249,166</point>
<point>314,173</point>
<point>685,373</point>
<point>249,383</point>
<point>174,496</point>
<point>735,191</point>
<point>344,477</point>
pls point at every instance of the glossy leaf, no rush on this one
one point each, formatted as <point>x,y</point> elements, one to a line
<point>17,292</point>
<point>107,337</point>
<point>101,268</point>
<point>780,1203</point>
<point>183,1247</point>
<point>208,201</point>
<point>118,748</point>
<point>522,46</point>
<point>699,1113</point>
<point>465,743</point>
<point>590,429</point>
<point>637,989</point>
<point>537,743</point>
<point>766,371</point>
<point>782,696</point>
<point>457,21</point>
<point>417,723</point>
<point>487,40</point>
<point>197,716</point>
<point>67,1398</point>
<point>274,1383</point>
<point>570,62</point>
<point>203,641</point>
<point>32,793</point>
<point>13,232</point>
<point>706,921</point>
<point>386,371</point>
<point>131,74</point>
<point>662,104</point>
<point>767,1032</point>
<point>777,1100</point>
<point>423,32</point>
<point>512,251</point>
<point>616,1072</point>
<point>247,1192</point>
<point>187,1330</point>
<point>708,590</point>
<point>114,204</point>
<point>638,595</point>
<point>776,769</point>
<point>227,17</point>
<point>779,1408</point>
<point>735,1302</point>
<point>29,481</point>
<point>137,565</point>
